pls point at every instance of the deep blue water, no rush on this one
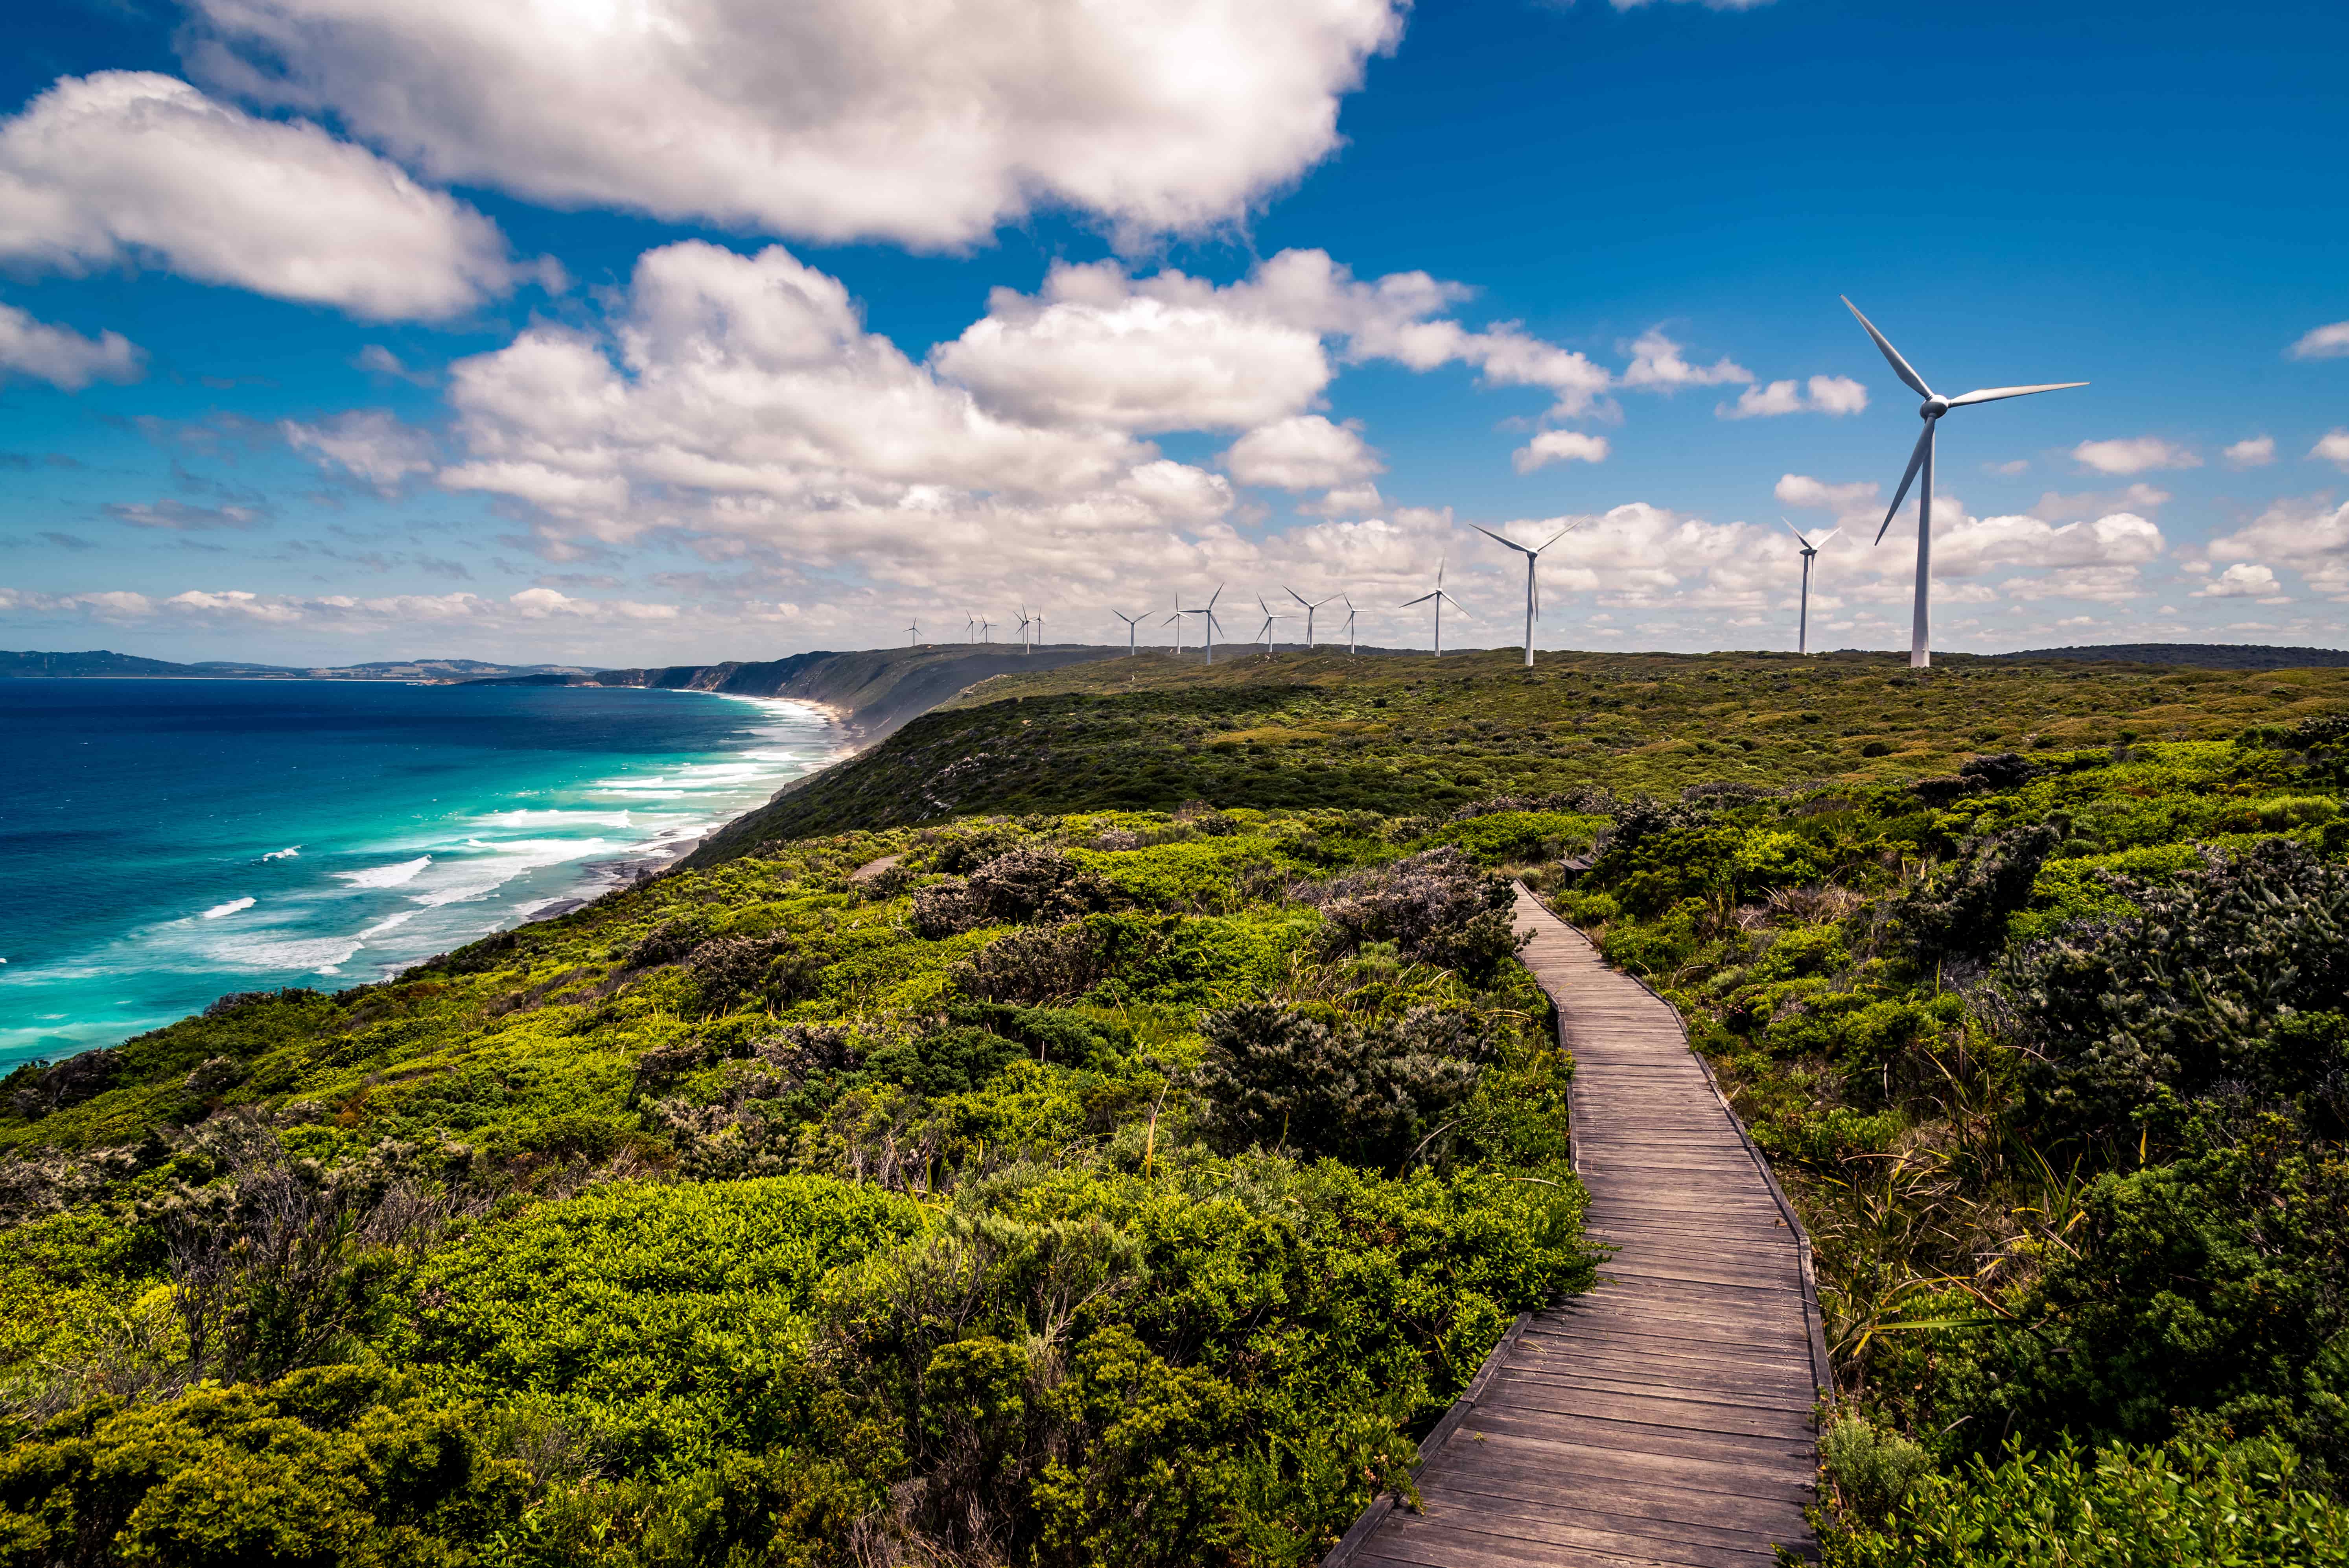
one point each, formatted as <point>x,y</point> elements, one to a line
<point>165,841</point>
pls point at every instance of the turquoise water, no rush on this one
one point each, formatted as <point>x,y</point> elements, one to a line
<point>166,842</point>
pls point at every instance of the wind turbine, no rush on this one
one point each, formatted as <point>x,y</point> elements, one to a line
<point>1026,620</point>
<point>1920,654</point>
<point>1533,594</point>
<point>969,626</point>
<point>1270,616</point>
<point>985,626</point>
<point>1349,625</point>
<point>1039,624</point>
<point>1810,552</point>
<point>1440,599</point>
<point>912,633</point>
<point>1175,620</point>
<point>1131,622</point>
<point>1207,612</point>
<point>1311,605</point>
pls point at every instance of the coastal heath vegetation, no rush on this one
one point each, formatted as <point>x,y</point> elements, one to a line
<point>1088,1188</point>
<point>994,1152</point>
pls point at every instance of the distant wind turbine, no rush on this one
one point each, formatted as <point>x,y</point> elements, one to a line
<point>1350,624</point>
<point>912,633</point>
<point>1131,622</point>
<point>1440,599</point>
<point>985,626</point>
<point>1175,620</point>
<point>1533,593</point>
<point>1026,620</point>
<point>1039,623</point>
<point>969,628</point>
<point>1270,616</point>
<point>1810,552</point>
<point>1311,605</point>
<point>1207,613</point>
<point>1920,654</point>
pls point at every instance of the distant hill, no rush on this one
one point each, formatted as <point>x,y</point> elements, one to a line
<point>2202,655</point>
<point>100,662</point>
<point>876,690</point>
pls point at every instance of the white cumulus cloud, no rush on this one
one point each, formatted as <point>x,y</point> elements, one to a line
<point>132,166</point>
<point>1802,490</point>
<point>1305,452</point>
<point>1658,364</point>
<point>832,119</point>
<point>2333,447</point>
<point>1823,395</point>
<point>2243,580</point>
<point>2330,342</point>
<point>2136,454</point>
<point>62,356</point>
<point>2255,452</point>
<point>1559,446</point>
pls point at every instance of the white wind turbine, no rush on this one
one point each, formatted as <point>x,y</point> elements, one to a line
<point>969,626</point>
<point>912,633</point>
<point>1039,624</point>
<point>1207,613</point>
<point>1533,593</point>
<point>1026,620</point>
<point>1810,552</point>
<point>1131,622</point>
<point>1175,620</point>
<point>1270,616</point>
<point>1350,624</point>
<point>1920,654</point>
<point>1311,605</point>
<point>1440,599</point>
<point>985,626</point>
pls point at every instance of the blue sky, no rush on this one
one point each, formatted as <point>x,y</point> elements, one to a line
<point>338,329</point>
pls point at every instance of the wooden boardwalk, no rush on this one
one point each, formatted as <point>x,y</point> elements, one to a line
<point>1665,1417</point>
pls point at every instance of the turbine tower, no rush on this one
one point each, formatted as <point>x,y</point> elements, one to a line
<point>1349,625</point>
<point>1920,655</point>
<point>1810,552</point>
<point>1311,605</point>
<point>1440,599</point>
<point>1175,620</point>
<point>1131,622</point>
<point>1533,594</point>
<point>1026,620</point>
<point>912,633</point>
<point>969,626</point>
<point>1039,624</point>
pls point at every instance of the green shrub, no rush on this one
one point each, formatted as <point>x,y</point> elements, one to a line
<point>1873,1469</point>
<point>2185,1505</point>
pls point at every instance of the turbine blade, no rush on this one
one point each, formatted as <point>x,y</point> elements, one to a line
<point>1992,394</point>
<point>1826,536</point>
<point>1512,544</point>
<point>1891,355</point>
<point>1554,538</point>
<point>1916,461</point>
<point>1301,598</point>
<point>1421,600</point>
<point>1797,533</point>
<point>1213,596</point>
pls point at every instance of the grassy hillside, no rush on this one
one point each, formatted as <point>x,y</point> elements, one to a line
<point>972,1161</point>
<point>1414,735</point>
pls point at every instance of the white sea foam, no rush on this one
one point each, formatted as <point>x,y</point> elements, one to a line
<point>385,876</point>
<point>554,819</point>
<point>231,907</point>
<point>285,854</point>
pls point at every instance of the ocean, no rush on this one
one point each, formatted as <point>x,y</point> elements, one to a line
<point>167,842</point>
